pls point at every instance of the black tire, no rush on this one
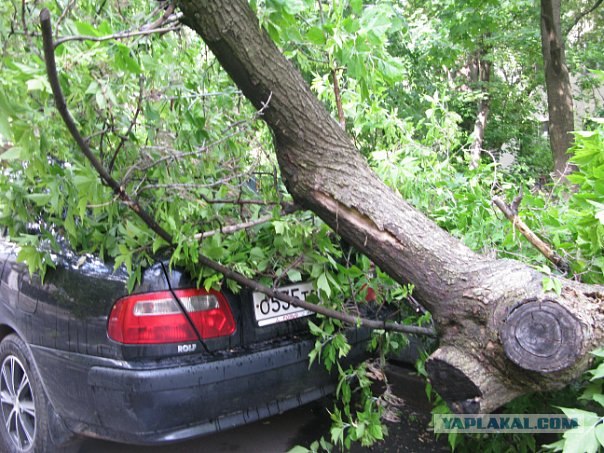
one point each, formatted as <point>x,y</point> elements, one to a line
<point>28,423</point>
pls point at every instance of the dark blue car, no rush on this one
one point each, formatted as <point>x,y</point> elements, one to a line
<point>79,356</point>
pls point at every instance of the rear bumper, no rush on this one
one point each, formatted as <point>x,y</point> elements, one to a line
<point>116,401</point>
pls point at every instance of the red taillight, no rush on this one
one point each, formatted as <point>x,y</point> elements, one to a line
<point>154,318</point>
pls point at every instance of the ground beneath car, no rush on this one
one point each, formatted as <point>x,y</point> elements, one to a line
<point>304,425</point>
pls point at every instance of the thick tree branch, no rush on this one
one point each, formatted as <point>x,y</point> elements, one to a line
<point>160,231</point>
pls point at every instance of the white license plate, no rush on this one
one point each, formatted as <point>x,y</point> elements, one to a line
<point>271,311</point>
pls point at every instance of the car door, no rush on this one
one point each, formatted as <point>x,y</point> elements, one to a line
<point>9,281</point>
<point>20,293</point>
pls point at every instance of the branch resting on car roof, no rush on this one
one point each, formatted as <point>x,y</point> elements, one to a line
<point>120,192</point>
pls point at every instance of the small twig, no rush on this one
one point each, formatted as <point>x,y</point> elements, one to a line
<point>338,96</point>
<point>241,201</point>
<point>511,213</point>
<point>124,138</point>
<point>193,185</point>
<point>582,15</point>
<point>229,229</point>
<point>201,95</point>
<point>100,7</point>
<point>121,35</point>
<point>51,69</point>
<point>295,263</point>
<point>26,32</point>
<point>96,134</point>
<point>160,21</point>
<point>102,205</point>
<point>63,16</point>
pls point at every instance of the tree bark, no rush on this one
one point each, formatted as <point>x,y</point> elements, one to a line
<point>490,351</point>
<point>558,87</point>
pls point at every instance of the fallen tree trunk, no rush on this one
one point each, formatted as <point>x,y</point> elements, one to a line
<point>500,334</point>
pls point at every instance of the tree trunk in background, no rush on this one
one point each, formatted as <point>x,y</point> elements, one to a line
<point>483,78</point>
<point>558,87</point>
<point>500,334</point>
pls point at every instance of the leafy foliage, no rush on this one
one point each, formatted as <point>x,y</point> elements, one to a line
<point>589,437</point>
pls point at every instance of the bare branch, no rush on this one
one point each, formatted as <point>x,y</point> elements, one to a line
<point>26,33</point>
<point>201,95</point>
<point>241,201</point>
<point>162,20</point>
<point>581,15</point>
<point>338,96</point>
<point>118,36</point>
<point>124,138</point>
<point>63,16</point>
<point>511,213</point>
<point>229,229</point>
<point>51,69</point>
<point>193,185</point>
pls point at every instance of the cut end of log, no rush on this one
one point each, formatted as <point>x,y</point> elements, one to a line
<point>457,389</point>
<point>542,336</point>
<point>468,384</point>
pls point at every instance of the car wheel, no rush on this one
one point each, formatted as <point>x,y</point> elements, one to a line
<point>25,412</point>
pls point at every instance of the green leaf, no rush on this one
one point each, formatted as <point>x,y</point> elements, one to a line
<point>600,434</point>
<point>13,153</point>
<point>580,441</point>
<point>294,275</point>
<point>257,253</point>
<point>314,329</point>
<point>125,61</point>
<point>299,449</point>
<point>84,28</point>
<point>357,6</point>
<point>279,226</point>
<point>598,373</point>
<point>39,199</point>
<point>38,84</point>
<point>316,36</point>
<point>587,417</point>
<point>337,433</point>
<point>552,284</point>
<point>5,130</point>
<point>598,398</point>
<point>323,284</point>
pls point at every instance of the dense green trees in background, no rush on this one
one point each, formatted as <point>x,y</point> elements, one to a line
<point>446,99</point>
